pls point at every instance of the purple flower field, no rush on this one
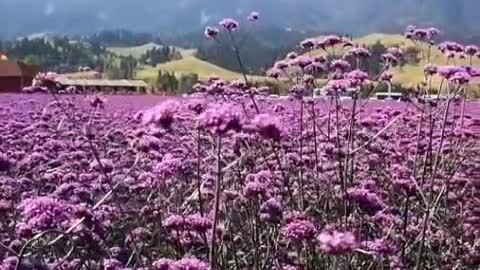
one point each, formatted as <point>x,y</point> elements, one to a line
<point>119,183</point>
<point>233,178</point>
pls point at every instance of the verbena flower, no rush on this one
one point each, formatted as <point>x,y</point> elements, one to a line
<point>161,115</point>
<point>198,223</point>
<point>44,213</point>
<point>221,119</point>
<point>174,222</point>
<point>211,32</point>
<point>189,264</point>
<point>162,264</point>
<point>254,16</point>
<point>337,243</point>
<point>340,65</point>
<point>267,126</point>
<point>271,210</point>
<point>430,69</point>
<point>308,44</point>
<point>366,199</point>
<point>300,230</point>
<point>229,24</point>
<point>386,76</point>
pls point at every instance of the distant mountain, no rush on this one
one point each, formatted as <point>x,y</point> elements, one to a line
<point>23,17</point>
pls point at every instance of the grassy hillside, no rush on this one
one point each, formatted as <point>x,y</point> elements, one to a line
<point>408,75</point>
<point>188,64</point>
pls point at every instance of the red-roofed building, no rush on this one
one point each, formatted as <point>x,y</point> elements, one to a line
<point>16,75</point>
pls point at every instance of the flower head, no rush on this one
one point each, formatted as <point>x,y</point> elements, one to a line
<point>340,65</point>
<point>229,24</point>
<point>386,76</point>
<point>308,44</point>
<point>267,126</point>
<point>174,222</point>
<point>430,69</point>
<point>162,115</point>
<point>43,213</point>
<point>221,119</point>
<point>211,32</point>
<point>300,230</point>
<point>357,77</point>
<point>198,223</point>
<point>189,264</point>
<point>254,16</point>
<point>271,210</point>
<point>366,199</point>
<point>337,243</point>
<point>358,52</point>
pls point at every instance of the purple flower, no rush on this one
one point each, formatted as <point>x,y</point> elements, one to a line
<point>174,222</point>
<point>229,24</point>
<point>420,34</point>
<point>271,210</point>
<point>357,77</point>
<point>433,32</point>
<point>253,189</point>
<point>461,77</point>
<point>448,71</point>
<point>471,50</point>
<point>410,29</point>
<point>397,52</point>
<point>198,223</point>
<point>340,65</point>
<point>44,213</point>
<point>112,264</point>
<point>308,44</point>
<point>451,47</point>
<point>220,120</point>
<point>267,126</point>
<point>292,55</point>
<point>430,69</point>
<point>5,162</point>
<point>162,115</point>
<point>254,16</point>
<point>335,86</point>
<point>389,58</point>
<point>315,67</point>
<point>282,65</point>
<point>301,61</point>
<point>331,40</point>
<point>162,264</point>
<point>386,76</point>
<point>211,32</point>
<point>274,73</point>
<point>379,246</point>
<point>97,101</point>
<point>189,264</point>
<point>300,230</point>
<point>337,243</point>
<point>358,52</point>
<point>366,199</point>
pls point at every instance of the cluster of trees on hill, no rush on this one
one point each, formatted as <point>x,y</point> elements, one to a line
<point>123,38</point>
<point>168,81</point>
<point>256,57</point>
<point>158,55</point>
<point>119,67</point>
<point>59,54</point>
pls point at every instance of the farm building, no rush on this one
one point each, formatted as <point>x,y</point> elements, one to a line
<point>104,85</point>
<point>16,75</point>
